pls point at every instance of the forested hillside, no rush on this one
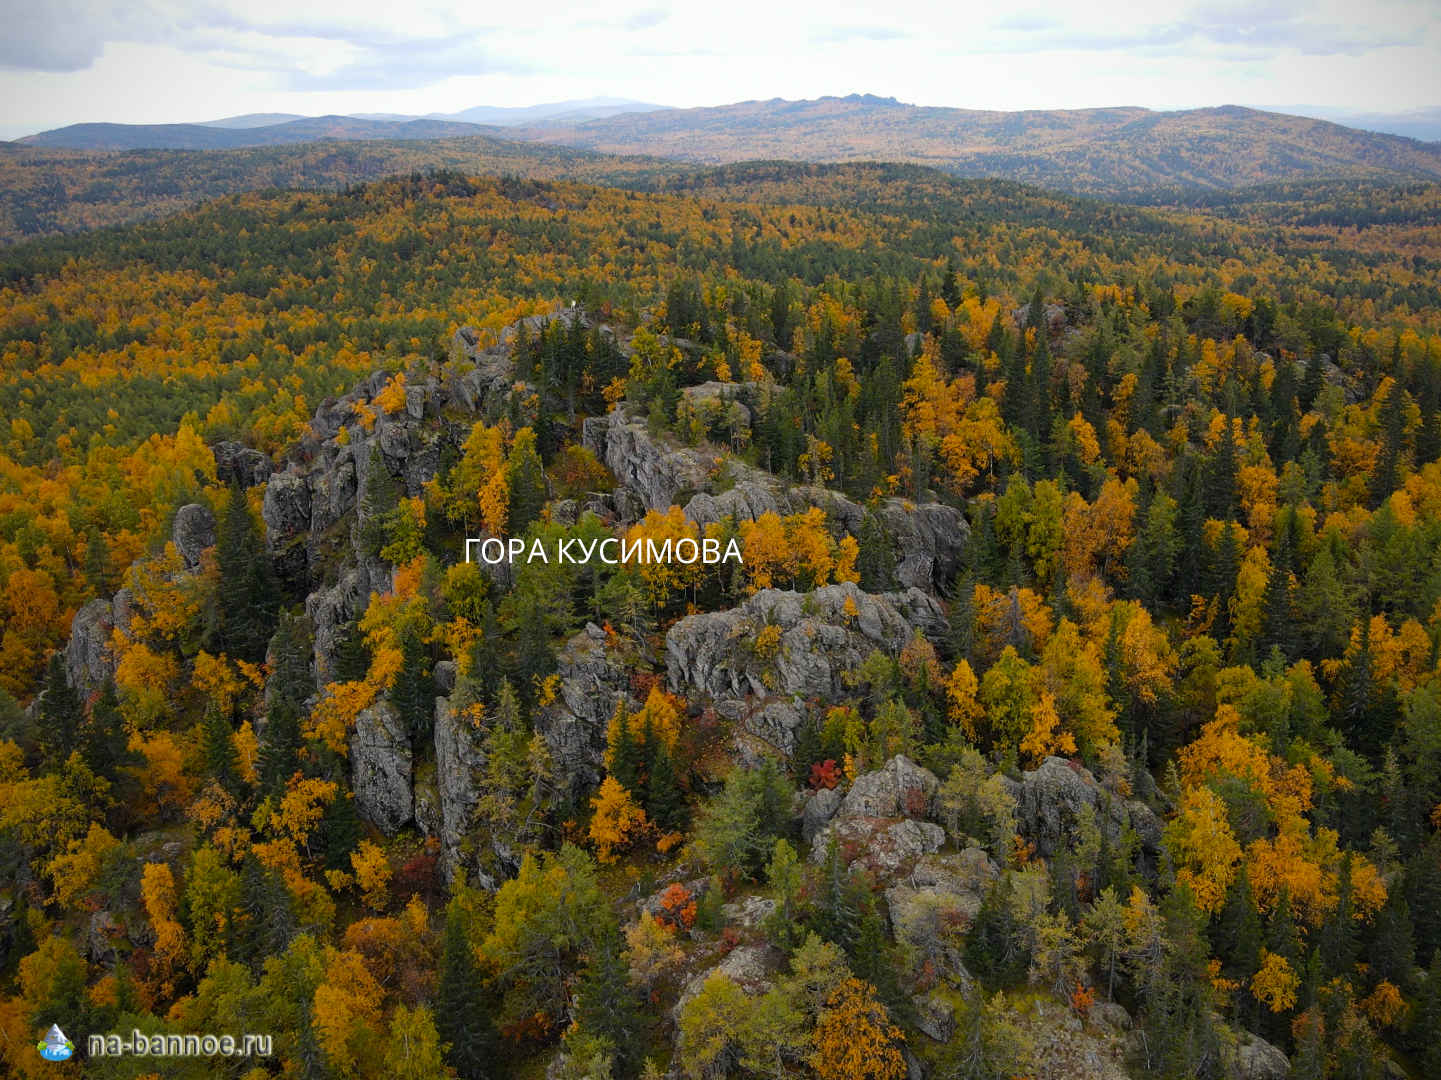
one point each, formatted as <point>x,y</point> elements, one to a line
<point>1116,152</point>
<point>1074,711</point>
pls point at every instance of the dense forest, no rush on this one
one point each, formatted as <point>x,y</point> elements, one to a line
<point>1076,709</point>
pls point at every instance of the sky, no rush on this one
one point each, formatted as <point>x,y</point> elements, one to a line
<point>161,61</point>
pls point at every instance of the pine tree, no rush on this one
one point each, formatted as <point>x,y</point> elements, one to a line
<point>106,745</point>
<point>61,715</point>
<point>625,752</point>
<point>1278,617</point>
<point>413,693</point>
<point>527,483</point>
<point>267,917</point>
<point>838,918</point>
<point>664,800</point>
<point>1392,952</point>
<point>961,619</point>
<point>1426,1021</point>
<point>218,749</point>
<point>1385,474</point>
<point>1238,932</point>
<point>462,1009</point>
<point>1221,488</point>
<point>340,831</point>
<point>377,504</point>
<point>280,752</point>
<point>1282,935</point>
<point>246,597</point>
<point>607,1005</point>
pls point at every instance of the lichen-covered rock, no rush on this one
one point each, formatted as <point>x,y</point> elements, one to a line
<point>331,609</point>
<point>655,902</point>
<point>193,531</point>
<point>748,966</point>
<point>931,909</point>
<point>380,766</point>
<point>929,538</point>
<point>819,808</point>
<point>1256,1059</point>
<point>286,509</point>
<point>650,466</point>
<point>749,911</point>
<point>234,461</point>
<point>900,788</point>
<point>818,642</point>
<point>935,1017</point>
<point>1051,799</point>
<point>745,501</point>
<point>593,676</point>
<point>459,765</point>
<point>884,848</point>
<point>88,659</point>
<point>775,723</point>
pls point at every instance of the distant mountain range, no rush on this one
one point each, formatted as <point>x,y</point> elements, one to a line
<point>237,132</point>
<point>1119,152</point>
<point>274,129</point>
<point>1116,152</point>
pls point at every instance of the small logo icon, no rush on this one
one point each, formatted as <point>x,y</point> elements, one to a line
<point>55,1047</point>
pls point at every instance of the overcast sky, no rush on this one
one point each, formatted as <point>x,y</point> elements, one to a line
<point>153,61</point>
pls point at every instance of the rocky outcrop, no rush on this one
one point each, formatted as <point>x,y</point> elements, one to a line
<point>878,824</point>
<point>749,912</point>
<point>333,607</point>
<point>1052,798</point>
<point>193,531</point>
<point>817,812</point>
<point>594,674</point>
<point>235,462</point>
<point>748,966</point>
<point>901,788</point>
<point>931,909</point>
<point>810,642</point>
<point>380,767</point>
<point>716,654</point>
<point>459,762</point>
<point>929,539</point>
<point>650,466</point>
<point>1256,1059</point>
<point>88,659</point>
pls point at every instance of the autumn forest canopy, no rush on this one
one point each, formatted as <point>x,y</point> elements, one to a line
<point>1075,710</point>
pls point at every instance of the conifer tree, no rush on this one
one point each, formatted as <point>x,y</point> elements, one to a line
<point>378,502</point>
<point>664,800</point>
<point>413,693</point>
<point>607,1006</point>
<point>246,598</point>
<point>61,716</point>
<point>218,750</point>
<point>104,740</point>
<point>462,1007</point>
<point>527,483</point>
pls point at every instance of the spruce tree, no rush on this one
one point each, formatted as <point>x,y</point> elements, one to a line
<point>413,693</point>
<point>218,749</point>
<point>377,504</point>
<point>664,800</point>
<point>462,1008</point>
<point>1238,932</point>
<point>61,715</point>
<point>607,1005</point>
<point>105,744</point>
<point>246,597</point>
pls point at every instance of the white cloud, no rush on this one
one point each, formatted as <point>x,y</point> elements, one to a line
<point>63,61</point>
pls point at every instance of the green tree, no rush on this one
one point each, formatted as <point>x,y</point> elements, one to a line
<point>462,1006</point>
